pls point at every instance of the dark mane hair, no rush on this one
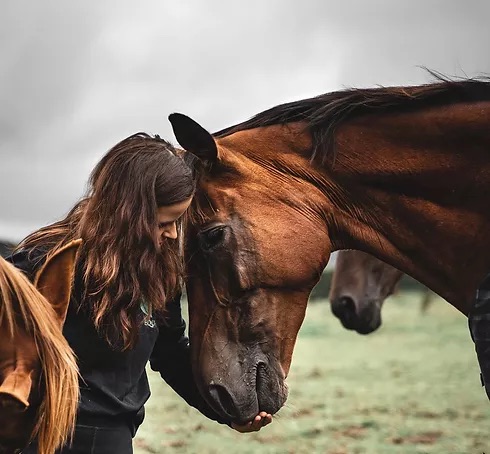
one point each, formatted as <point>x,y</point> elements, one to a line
<point>325,113</point>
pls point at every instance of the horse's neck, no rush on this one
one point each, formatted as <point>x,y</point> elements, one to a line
<point>411,190</point>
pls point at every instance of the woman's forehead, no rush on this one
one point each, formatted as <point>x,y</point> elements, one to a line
<point>173,212</point>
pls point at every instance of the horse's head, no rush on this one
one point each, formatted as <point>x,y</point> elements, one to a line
<point>19,394</point>
<point>255,247</point>
<point>33,351</point>
<point>360,285</point>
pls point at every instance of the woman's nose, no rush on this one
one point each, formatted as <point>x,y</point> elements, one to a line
<point>171,232</point>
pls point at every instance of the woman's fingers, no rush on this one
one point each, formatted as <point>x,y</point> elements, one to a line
<point>261,420</point>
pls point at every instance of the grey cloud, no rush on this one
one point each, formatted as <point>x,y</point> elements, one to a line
<point>76,77</point>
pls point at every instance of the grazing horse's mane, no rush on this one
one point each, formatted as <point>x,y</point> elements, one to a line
<point>323,114</point>
<point>21,302</point>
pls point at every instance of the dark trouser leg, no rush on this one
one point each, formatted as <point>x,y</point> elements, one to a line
<point>95,440</point>
<point>112,440</point>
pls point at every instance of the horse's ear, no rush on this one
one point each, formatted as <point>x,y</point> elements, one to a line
<point>194,138</point>
<point>54,279</point>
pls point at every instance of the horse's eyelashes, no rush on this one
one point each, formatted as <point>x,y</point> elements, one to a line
<point>210,238</point>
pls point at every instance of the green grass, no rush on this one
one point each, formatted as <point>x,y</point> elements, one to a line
<point>410,388</point>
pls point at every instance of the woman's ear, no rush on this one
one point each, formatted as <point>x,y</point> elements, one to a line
<point>194,138</point>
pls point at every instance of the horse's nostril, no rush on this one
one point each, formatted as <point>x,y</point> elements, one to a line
<point>344,306</point>
<point>348,304</point>
<point>260,376</point>
<point>223,399</point>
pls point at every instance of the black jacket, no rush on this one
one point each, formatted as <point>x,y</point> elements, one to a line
<point>114,385</point>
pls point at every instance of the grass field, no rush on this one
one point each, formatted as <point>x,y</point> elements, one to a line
<point>412,387</point>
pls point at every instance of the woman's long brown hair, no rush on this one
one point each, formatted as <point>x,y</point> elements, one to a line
<point>123,262</point>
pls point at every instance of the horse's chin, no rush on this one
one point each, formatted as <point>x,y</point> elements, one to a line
<point>365,330</point>
<point>369,322</point>
<point>365,322</point>
<point>362,326</point>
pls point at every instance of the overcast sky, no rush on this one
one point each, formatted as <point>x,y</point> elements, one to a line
<point>77,77</point>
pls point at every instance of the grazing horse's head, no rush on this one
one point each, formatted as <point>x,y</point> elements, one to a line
<point>38,372</point>
<point>360,285</point>
<point>255,248</point>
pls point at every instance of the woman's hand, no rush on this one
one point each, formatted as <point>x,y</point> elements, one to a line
<point>261,420</point>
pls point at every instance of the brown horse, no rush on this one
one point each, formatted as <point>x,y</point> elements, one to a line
<point>38,371</point>
<point>401,173</point>
<point>359,286</point>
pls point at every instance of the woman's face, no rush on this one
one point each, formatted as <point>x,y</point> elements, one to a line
<point>168,216</point>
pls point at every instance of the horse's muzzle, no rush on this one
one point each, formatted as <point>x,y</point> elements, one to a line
<point>242,399</point>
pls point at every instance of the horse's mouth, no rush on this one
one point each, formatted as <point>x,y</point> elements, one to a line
<point>368,326</point>
<point>364,322</point>
<point>241,400</point>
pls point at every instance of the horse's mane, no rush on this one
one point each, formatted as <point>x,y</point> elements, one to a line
<point>323,114</point>
<point>20,302</point>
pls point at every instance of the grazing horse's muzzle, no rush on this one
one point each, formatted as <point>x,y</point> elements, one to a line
<point>358,316</point>
<point>344,308</point>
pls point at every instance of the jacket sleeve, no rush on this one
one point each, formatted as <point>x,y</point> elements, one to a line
<point>171,358</point>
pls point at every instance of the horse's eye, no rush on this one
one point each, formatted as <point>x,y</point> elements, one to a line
<point>208,239</point>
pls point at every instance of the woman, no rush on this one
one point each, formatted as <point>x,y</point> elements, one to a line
<point>125,304</point>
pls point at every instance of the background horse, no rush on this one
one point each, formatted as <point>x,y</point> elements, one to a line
<point>359,286</point>
<point>38,372</point>
<point>401,173</point>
